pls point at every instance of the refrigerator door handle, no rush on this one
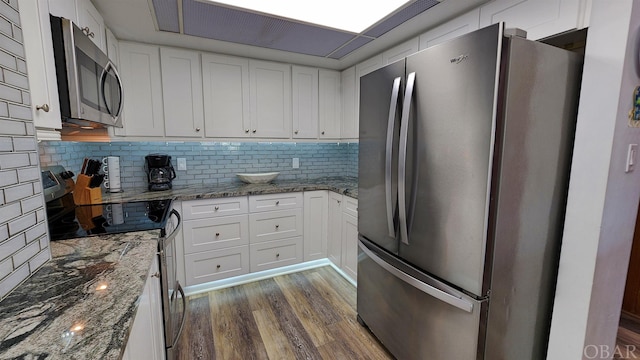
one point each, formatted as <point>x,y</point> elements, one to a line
<point>402,159</point>
<point>439,294</point>
<point>391,123</point>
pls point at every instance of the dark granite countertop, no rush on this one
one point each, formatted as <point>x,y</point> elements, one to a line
<point>343,185</point>
<point>62,312</point>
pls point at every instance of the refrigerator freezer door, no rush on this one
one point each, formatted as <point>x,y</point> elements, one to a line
<point>415,316</point>
<point>450,152</point>
<point>380,103</point>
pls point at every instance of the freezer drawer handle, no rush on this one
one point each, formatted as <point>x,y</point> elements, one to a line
<point>391,123</point>
<point>441,295</point>
<point>402,159</point>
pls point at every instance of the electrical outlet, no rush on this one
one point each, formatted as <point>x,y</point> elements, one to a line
<point>182,164</point>
<point>296,163</point>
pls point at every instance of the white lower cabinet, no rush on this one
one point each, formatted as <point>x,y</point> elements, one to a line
<point>146,337</point>
<point>227,237</point>
<point>342,247</point>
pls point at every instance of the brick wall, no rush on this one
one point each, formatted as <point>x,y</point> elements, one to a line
<point>24,243</point>
<point>211,162</point>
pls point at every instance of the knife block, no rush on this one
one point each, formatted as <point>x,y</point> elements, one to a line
<point>83,194</point>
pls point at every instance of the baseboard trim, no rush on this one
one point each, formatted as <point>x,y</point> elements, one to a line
<point>261,275</point>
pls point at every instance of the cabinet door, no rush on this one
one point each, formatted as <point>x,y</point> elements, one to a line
<point>38,48</point>
<point>334,235</point>
<point>350,245</point>
<point>349,104</point>
<point>226,96</point>
<point>400,51</point>
<point>316,212</point>
<point>539,19</point>
<point>182,92</point>
<point>305,102</point>
<point>140,70</point>
<point>451,29</point>
<point>113,52</point>
<point>330,104</point>
<point>92,23</point>
<point>270,99</point>
<point>64,8</point>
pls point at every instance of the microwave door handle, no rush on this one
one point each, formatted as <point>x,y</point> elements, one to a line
<point>391,123</point>
<point>103,78</point>
<point>402,159</point>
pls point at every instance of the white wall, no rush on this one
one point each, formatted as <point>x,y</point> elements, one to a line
<point>603,199</point>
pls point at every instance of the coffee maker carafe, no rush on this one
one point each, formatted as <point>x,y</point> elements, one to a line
<point>159,171</point>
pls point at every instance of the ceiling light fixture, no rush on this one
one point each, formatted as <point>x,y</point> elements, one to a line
<point>353,16</point>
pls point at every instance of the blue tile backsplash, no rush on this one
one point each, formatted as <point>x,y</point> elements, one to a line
<point>210,162</point>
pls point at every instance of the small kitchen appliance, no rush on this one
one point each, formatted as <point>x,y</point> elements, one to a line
<point>159,171</point>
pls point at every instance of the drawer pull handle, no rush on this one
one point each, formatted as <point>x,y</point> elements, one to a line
<point>278,255</point>
<point>217,234</point>
<point>216,208</point>
<point>277,226</point>
<point>218,266</point>
<point>278,202</point>
<point>156,275</point>
<point>254,131</point>
<point>43,107</point>
<point>247,131</point>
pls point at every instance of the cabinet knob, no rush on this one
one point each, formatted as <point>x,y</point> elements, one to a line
<point>295,132</point>
<point>278,202</point>
<point>218,266</point>
<point>197,129</point>
<point>339,201</point>
<point>88,32</point>
<point>277,226</point>
<point>254,131</point>
<point>156,275</point>
<point>43,107</point>
<point>323,133</point>
<point>216,208</point>
<point>217,234</point>
<point>247,131</point>
<point>278,255</point>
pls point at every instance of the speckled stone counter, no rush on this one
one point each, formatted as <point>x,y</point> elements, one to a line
<point>81,304</point>
<point>343,185</point>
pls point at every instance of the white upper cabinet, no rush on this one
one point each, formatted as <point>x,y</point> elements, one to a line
<point>143,109</point>
<point>270,99</point>
<point>349,104</point>
<point>226,96</point>
<point>305,102</point>
<point>92,23</point>
<point>540,19</point>
<point>64,8</point>
<point>113,52</point>
<point>43,86</point>
<point>330,99</point>
<point>401,51</point>
<point>451,29</point>
<point>182,92</point>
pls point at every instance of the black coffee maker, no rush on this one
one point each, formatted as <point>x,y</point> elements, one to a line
<point>159,171</point>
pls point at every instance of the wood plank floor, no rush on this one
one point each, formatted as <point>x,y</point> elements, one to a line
<point>628,340</point>
<point>304,315</point>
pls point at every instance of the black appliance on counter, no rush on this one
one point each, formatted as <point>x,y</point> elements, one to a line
<point>159,171</point>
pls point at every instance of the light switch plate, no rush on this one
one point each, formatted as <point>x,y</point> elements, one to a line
<point>296,163</point>
<point>182,164</point>
<point>632,154</point>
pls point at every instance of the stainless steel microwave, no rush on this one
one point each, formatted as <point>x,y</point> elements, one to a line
<point>90,88</point>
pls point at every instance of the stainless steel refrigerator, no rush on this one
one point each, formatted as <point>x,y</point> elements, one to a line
<point>464,161</point>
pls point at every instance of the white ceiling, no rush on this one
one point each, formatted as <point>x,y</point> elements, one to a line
<point>135,20</point>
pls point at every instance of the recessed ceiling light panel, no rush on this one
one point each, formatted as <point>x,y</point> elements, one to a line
<point>353,15</point>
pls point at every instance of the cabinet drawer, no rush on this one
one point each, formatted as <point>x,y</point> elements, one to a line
<point>275,225</point>
<point>215,265</point>
<point>215,233</point>
<point>350,206</point>
<point>206,208</point>
<point>273,254</point>
<point>270,202</point>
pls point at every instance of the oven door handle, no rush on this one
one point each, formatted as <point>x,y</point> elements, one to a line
<point>184,314</point>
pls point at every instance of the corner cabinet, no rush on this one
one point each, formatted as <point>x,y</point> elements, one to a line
<point>143,109</point>
<point>349,125</point>
<point>182,93</point>
<point>305,102</point>
<point>329,98</point>
<point>225,81</point>
<point>43,86</point>
<point>270,85</point>
<point>146,337</point>
<point>342,245</point>
<point>316,221</point>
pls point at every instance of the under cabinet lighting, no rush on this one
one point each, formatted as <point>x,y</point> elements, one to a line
<point>353,15</point>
